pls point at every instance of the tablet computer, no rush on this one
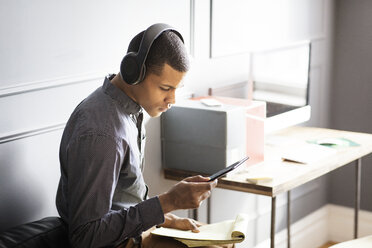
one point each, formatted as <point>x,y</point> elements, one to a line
<point>227,169</point>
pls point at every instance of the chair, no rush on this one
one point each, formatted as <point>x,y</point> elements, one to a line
<point>49,232</point>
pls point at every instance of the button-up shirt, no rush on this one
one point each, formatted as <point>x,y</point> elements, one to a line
<point>102,194</point>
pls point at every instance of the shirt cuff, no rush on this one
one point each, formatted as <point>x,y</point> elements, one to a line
<point>151,212</point>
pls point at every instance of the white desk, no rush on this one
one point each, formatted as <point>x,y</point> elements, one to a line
<point>298,174</point>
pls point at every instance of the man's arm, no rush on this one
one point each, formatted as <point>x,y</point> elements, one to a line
<point>94,164</point>
<point>187,194</point>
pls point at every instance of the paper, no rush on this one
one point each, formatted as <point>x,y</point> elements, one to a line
<point>259,178</point>
<point>308,153</point>
<point>210,102</point>
<point>260,172</point>
<point>226,232</point>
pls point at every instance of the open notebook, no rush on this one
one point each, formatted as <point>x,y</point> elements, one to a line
<point>225,232</point>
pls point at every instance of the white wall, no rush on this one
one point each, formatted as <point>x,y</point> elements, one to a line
<point>55,53</point>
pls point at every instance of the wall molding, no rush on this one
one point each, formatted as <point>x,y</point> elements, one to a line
<point>192,28</point>
<point>341,223</point>
<point>210,29</point>
<point>309,232</point>
<point>31,132</point>
<point>21,88</point>
<point>328,223</point>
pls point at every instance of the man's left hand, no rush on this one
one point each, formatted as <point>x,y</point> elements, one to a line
<point>173,221</point>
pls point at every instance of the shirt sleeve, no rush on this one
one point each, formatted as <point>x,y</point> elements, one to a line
<point>94,163</point>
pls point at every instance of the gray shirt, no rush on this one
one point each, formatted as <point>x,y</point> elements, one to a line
<point>102,194</point>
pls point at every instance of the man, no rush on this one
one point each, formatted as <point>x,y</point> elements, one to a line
<point>102,195</point>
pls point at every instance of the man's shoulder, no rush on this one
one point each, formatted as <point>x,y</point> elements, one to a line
<point>99,114</point>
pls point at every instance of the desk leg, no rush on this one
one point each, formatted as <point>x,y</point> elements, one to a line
<point>289,219</point>
<point>195,214</point>
<point>209,209</point>
<point>358,168</point>
<point>272,234</point>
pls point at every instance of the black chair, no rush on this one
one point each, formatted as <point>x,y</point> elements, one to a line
<point>49,232</point>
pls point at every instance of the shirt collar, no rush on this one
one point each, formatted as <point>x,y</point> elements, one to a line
<point>128,105</point>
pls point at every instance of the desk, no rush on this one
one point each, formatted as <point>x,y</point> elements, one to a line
<point>299,174</point>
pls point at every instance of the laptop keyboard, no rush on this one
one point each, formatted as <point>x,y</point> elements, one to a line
<point>273,108</point>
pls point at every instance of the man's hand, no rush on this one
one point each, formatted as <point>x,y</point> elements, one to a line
<point>187,194</point>
<point>173,221</point>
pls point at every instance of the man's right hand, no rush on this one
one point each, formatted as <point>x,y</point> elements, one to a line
<point>187,194</point>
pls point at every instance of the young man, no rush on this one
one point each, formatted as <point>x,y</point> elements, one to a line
<point>102,195</point>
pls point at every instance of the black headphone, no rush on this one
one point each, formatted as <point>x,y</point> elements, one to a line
<point>132,68</point>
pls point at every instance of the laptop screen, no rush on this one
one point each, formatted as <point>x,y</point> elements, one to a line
<point>281,75</point>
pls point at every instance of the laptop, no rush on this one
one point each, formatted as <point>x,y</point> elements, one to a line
<point>280,77</point>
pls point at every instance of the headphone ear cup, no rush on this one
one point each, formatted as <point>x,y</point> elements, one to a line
<point>142,73</point>
<point>129,69</point>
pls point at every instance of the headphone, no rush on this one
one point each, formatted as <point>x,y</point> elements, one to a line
<point>132,68</point>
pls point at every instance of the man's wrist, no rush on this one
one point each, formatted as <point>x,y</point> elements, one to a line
<point>165,203</point>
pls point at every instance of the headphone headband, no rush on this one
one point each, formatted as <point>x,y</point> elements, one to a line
<point>133,67</point>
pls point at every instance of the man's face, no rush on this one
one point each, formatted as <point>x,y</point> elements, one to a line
<point>156,93</point>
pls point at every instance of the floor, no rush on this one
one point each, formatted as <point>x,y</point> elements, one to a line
<point>328,244</point>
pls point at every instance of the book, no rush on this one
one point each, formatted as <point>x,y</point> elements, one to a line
<point>225,232</point>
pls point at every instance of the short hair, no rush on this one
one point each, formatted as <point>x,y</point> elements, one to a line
<point>167,48</point>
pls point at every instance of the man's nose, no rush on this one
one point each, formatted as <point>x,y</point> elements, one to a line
<point>171,98</point>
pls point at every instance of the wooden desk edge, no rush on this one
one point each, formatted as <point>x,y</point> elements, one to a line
<point>176,174</point>
<point>364,139</point>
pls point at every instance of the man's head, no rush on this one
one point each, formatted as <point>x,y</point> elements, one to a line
<point>163,44</point>
<point>166,64</point>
